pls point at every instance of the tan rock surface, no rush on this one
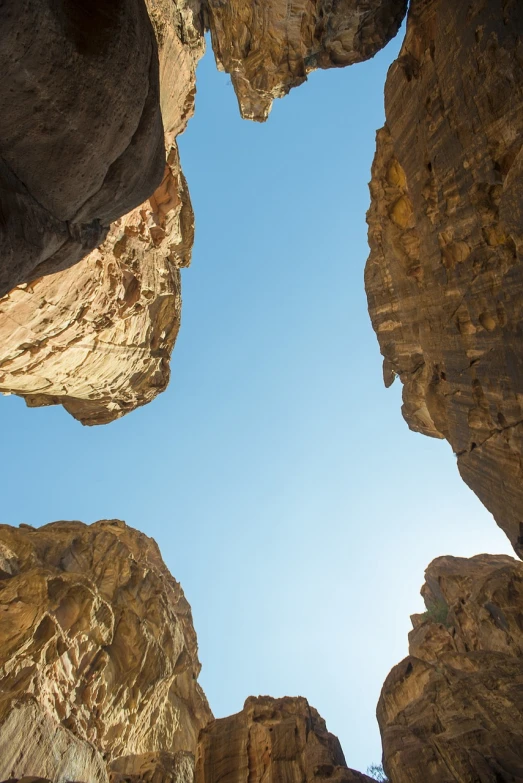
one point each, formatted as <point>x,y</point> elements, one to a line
<point>452,712</point>
<point>269,47</point>
<point>79,145</point>
<point>98,655</point>
<point>278,740</point>
<point>162,767</point>
<point>444,278</point>
<point>98,336</point>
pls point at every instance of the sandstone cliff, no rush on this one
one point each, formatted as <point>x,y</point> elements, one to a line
<point>281,740</point>
<point>98,337</point>
<point>270,47</point>
<point>79,145</point>
<point>98,656</point>
<point>452,712</point>
<point>444,278</point>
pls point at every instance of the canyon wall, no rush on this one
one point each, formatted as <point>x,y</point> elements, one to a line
<point>452,712</point>
<point>98,655</point>
<point>98,336</point>
<point>270,47</point>
<point>444,279</point>
<point>79,145</point>
<point>278,740</point>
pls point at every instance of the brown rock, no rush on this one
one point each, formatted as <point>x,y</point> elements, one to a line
<point>98,337</point>
<point>269,47</point>
<point>163,767</point>
<point>98,655</point>
<point>444,278</point>
<point>281,740</point>
<point>452,712</point>
<point>80,145</point>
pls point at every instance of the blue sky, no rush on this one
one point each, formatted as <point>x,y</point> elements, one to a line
<point>276,473</point>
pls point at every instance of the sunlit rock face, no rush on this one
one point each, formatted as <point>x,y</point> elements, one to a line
<point>98,337</point>
<point>444,279</point>
<point>452,712</point>
<point>79,145</point>
<point>269,47</point>
<point>281,740</point>
<point>98,656</point>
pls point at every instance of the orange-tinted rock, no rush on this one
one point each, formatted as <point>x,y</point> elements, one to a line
<point>452,712</point>
<point>444,278</point>
<point>98,337</point>
<point>270,47</point>
<point>281,740</point>
<point>98,655</point>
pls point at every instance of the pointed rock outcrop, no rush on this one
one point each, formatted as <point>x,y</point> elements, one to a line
<point>270,47</point>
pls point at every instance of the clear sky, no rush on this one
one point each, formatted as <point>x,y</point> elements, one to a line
<point>276,473</point>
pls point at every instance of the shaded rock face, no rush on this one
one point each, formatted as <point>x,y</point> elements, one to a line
<point>98,655</point>
<point>270,47</point>
<point>79,145</point>
<point>452,712</point>
<point>163,767</point>
<point>444,278</point>
<point>98,337</point>
<point>278,740</point>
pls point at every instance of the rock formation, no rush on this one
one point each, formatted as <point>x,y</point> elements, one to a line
<point>79,145</point>
<point>98,656</point>
<point>98,336</point>
<point>452,712</point>
<point>269,47</point>
<point>281,740</point>
<point>444,278</point>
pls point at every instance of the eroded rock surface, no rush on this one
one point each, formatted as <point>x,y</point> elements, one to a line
<point>79,145</point>
<point>282,740</point>
<point>98,337</point>
<point>269,47</point>
<point>98,655</point>
<point>452,712</point>
<point>445,278</point>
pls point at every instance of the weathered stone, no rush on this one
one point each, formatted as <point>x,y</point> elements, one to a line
<point>79,145</point>
<point>162,767</point>
<point>98,337</point>
<point>98,655</point>
<point>452,712</point>
<point>269,47</point>
<point>445,278</point>
<point>281,740</point>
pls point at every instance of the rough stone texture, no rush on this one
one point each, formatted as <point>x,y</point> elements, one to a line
<point>98,337</point>
<point>444,278</point>
<point>163,767</point>
<point>278,740</point>
<point>452,712</point>
<point>98,655</point>
<point>79,145</point>
<point>270,46</point>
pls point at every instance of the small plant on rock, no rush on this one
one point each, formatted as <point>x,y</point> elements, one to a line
<point>376,771</point>
<point>437,612</point>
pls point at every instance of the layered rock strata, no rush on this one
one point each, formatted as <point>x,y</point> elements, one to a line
<point>98,656</point>
<point>452,712</point>
<point>444,278</point>
<point>270,47</point>
<point>79,145</point>
<point>98,337</point>
<point>281,740</point>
